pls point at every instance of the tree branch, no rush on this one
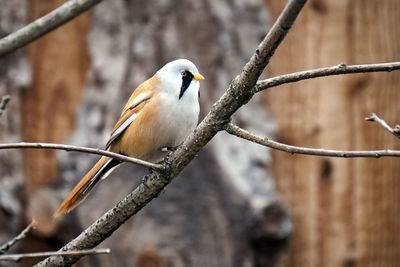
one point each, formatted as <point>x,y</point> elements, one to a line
<point>329,71</point>
<point>3,103</point>
<point>45,24</point>
<point>18,257</point>
<point>238,94</point>
<point>395,131</point>
<point>239,132</point>
<point>4,248</point>
<point>97,151</point>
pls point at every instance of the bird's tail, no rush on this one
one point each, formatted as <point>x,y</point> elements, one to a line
<point>99,171</point>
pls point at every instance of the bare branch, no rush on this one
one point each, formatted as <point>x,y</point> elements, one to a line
<point>97,151</point>
<point>253,69</point>
<point>395,131</point>
<point>329,71</point>
<point>45,24</point>
<point>4,248</point>
<point>238,94</point>
<point>18,257</point>
<point>239,132</point>
<point>3,103</point>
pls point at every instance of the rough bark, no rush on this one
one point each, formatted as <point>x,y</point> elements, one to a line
<point>345,210</point>
<point>45,24</point>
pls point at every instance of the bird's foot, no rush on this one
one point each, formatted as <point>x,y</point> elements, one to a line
<point>168,149</point>
<point>145,180</point>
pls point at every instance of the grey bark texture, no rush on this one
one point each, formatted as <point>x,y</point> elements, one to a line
<point>14,76</point>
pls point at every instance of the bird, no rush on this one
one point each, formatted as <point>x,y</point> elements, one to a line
<point>161,112</point>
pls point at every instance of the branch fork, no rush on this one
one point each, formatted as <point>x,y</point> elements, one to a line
<point>395,131</point>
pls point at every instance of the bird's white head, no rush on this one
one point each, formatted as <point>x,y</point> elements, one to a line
<point>180,76</point>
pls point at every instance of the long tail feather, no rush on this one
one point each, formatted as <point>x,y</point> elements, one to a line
<point>99,171</point>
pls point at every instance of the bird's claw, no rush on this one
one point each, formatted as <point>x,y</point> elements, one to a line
<point>144,181</point>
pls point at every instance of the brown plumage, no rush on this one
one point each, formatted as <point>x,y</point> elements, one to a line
<point>79,193</point>
<point>154,117</point>
<point>118,144</point>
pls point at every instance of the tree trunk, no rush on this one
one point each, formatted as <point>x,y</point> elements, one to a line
<point>345,211</point>
<point>59,62</point>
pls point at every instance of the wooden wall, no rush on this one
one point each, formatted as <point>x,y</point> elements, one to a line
<point>345,211</point>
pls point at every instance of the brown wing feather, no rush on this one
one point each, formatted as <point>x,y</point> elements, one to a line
<point>123,123</point>
<point>148,86</point>
<point>142,138</point>
<point>136,102</point>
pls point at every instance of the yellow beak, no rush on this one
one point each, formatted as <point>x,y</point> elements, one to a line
<point>198,76</point>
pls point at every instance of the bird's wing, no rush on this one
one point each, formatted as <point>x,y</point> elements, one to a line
<point>130,112</point>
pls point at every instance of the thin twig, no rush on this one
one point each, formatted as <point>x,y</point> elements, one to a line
<point>45,24</point>
<point>4,248</point>
<point>322,72</point>
<point>259,60</point>
<point>17,257</point>
<point>239,132</point>
<point>97,151</point>
<point>393,131</point>
<point>3,103</point>
<point>238,94</point>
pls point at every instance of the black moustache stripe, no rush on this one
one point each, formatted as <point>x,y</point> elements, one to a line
<point>187,78</point>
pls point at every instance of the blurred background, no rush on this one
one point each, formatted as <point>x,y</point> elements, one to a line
<point>236,204</point>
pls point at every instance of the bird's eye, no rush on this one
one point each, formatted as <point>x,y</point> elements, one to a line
<point>184,73</point>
